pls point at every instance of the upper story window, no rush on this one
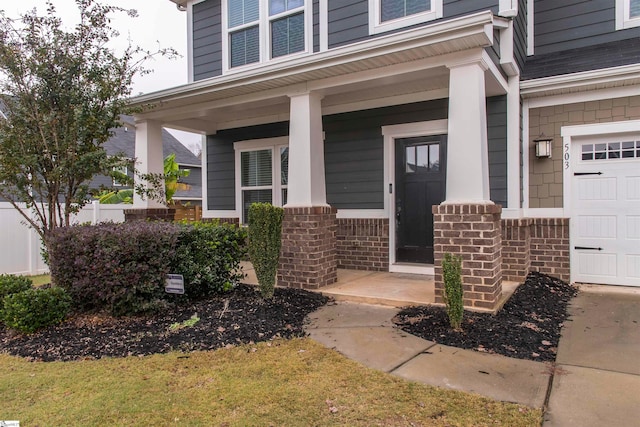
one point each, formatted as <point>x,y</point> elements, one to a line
<point>262,30</point>
<point>386,15</point>
<point>627,14</point>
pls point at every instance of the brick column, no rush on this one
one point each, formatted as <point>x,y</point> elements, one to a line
<point>308,255</point>
<point>516,243</point>
<point>473,232</point>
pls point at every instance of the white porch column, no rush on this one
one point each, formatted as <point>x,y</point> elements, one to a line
<point>306,152</point>
<point>467,151</point>
<point>149,158</point>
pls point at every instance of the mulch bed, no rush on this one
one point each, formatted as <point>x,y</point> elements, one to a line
<point>527,327</point>
<point>238,317</point>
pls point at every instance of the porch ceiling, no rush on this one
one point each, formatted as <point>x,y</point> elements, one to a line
<point>403,67</point>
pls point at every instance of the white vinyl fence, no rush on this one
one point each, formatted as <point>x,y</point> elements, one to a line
<point>20,245</point>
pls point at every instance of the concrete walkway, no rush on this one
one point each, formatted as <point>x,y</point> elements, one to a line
<point>596,381</point>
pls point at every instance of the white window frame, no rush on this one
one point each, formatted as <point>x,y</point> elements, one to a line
<point>377,26</point>
<point>623,20</point>
<point>123,170</point>
<point>264,30</point>
<point>273,144</point>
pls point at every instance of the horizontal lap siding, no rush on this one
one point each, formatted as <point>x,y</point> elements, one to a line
<point>520,34</point>
<point>349,19</point>
<point>207,39</point>
<point>354,151</point>
<point>221,161</point>
<point>497,142</point>
<point>576,24</point>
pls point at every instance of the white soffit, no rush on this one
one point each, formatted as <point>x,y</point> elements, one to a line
<point>607,78</point>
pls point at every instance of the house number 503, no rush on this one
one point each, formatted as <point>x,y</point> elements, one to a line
<point>567,156</point>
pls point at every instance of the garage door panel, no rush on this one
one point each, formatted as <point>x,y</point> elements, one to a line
<point>633,227</point>
<point>633,266</point>
<point>598,264</point>
<point>598,189</point>
<point>597,226</point>
<point>633,188</point>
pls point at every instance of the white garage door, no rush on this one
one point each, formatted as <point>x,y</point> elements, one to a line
<point>605,223</point>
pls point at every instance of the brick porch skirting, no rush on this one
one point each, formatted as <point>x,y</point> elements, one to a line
<point>155,214</point>
<point>363,243</point>
<point>473,232</point>
<point>308,255</point>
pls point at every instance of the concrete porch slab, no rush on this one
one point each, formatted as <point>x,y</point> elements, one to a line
<point>382,288</point>
<point>603,332</point>
<point>585,397</point>
<point>494,376</point>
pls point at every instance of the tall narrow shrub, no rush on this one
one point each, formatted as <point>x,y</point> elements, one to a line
<point>453,292</point>
<point>265,231</point>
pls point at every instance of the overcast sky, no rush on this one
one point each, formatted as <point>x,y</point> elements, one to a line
<point>159,23</point>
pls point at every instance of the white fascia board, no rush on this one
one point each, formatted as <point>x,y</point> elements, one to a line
<point>581,80</point>
<point>592,129</point>
<point>479,24</point>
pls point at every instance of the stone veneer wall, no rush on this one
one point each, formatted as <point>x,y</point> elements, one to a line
<point>308,255</point>
<point>474,233</point>
<point>363,244</point>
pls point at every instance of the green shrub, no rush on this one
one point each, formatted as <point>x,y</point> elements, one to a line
<point>453,291</point>
<point>11,284</point>
<point>265,231</point>
<point>32,309</point>
<point>208,256</point>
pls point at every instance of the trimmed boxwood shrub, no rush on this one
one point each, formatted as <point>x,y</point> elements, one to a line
<point>265,233</point>
<point>11,284</point>
<point>208,256</point>
<point>32,309</point>
<point>121,267</point>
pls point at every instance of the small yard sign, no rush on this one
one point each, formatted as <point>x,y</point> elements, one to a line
<point>174,284</point>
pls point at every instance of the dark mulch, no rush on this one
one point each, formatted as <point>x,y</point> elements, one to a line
<point>527,327</point>
<point>245,318</point>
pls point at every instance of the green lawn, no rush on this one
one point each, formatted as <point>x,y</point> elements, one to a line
<point>284,383</point>
<point>40,279</point>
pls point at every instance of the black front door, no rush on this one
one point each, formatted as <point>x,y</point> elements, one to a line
<point>420,184</point>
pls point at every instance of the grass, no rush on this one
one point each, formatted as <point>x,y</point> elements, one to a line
<point>40,279</point>
<point>284,383</point>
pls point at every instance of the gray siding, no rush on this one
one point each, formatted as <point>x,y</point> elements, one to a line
<point>354,151</point>
<point>221,161</point>
<point>573,24</point>
<point>207,39</point>
<point>520,34</point>
<point>497,141</point>
<point>316,25</point>
<point>349,19</point>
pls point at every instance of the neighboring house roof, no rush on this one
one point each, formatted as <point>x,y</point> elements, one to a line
<point>123,142</point>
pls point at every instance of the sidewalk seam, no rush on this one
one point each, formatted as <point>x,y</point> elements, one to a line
<point>412,357</point>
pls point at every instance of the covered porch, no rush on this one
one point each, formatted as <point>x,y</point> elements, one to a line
<point>381,288</point>
<point>453,66</point>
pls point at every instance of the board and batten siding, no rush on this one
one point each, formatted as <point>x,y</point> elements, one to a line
<point>561,26</point>
<point>207,39</point>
